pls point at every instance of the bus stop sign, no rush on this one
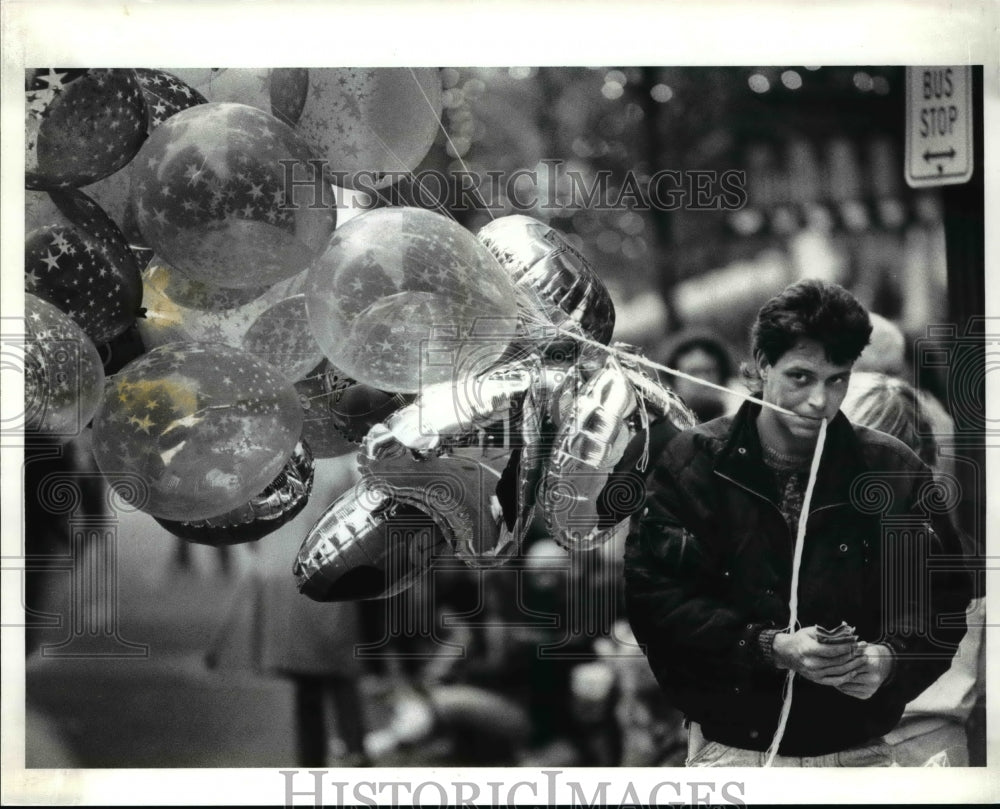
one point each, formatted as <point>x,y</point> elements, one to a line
<point>938,125</point>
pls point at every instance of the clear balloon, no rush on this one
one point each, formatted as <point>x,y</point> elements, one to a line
<point>205,426</point>
<point>224,193</point>
<point>112,194</point>
<point>281,336</point>
<point>39,210</point>
<point>85,267</point>
<point>281,93</point>
<point>165,95</point>
<point>371,125</point>
<point>558,279</point>
<point>160,278</point>
<point>270,323</point>
<point>63,376</point>
<point>80,125</point>
<point>280,502</point>
<point>405,297</point>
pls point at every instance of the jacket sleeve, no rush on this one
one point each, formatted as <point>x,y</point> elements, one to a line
<point>925,618</point>
<point>675,595</point>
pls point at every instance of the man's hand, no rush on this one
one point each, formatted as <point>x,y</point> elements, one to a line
<point>875,671</point>
<point>826,664</point>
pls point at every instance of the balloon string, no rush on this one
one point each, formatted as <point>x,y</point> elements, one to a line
<point>644,422</point>
<point>451,143</point>
<point>640,360</point>
<point>793,601</point>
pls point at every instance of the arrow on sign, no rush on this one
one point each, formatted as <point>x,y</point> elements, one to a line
<point>929,156</point>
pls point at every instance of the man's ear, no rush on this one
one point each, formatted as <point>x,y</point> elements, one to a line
<point>762,364</point>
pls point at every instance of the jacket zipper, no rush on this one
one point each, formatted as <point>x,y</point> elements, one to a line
<point>788,530</point>
<point>770,502</point>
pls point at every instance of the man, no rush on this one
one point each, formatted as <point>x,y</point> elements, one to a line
<point>708,570</point>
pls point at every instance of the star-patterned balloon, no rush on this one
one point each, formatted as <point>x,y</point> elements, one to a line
<point>370,120</point>
<point>289,90</point>
<point>206,427</point>
<point>280,502</point>
<point>162,278</point>
<point>213,196</point>
<point>80,125</point>
<point>405,297</point>
<point>165,95</point>
<point>85,267</point>
<point>271,323</point>
<point>63,376</point>
<point>281,336</point>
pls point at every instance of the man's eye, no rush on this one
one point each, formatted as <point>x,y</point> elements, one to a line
<point>798,377</point>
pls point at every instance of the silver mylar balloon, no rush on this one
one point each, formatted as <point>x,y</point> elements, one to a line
<point>564,287</point>
<point>591,440</point>
<point>367,545</point>
<point>458,491</point>
<point>480,485</point>
<point>446,412</point>
<point>281,501</point>
<point>594,475</point>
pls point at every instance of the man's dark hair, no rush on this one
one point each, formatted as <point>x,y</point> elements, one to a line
<point>812,309</point>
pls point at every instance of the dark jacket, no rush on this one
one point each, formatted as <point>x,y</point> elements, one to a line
<point>708,567</point>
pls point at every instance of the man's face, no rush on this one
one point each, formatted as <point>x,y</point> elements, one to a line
<point>804,381</point>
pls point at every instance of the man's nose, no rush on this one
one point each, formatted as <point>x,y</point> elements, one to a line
<point>817,397</point>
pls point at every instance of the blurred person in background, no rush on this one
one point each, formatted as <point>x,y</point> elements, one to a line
<point>273,629</point>
<point>48,549</point>
<point>530,688</point>
<point>932,732</point>
<point>886,351</point>
<point>703,355</point>
<point>48,529</point>
<point>886,354</point>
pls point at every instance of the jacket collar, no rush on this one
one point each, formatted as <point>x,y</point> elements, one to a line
<point>741,458</point>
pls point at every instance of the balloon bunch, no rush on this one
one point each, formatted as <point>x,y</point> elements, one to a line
<point>471,373</point>
<point>462,469</point>
<point>171,224</point>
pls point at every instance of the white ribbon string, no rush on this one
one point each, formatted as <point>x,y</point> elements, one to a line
<point>640,360</point>
<point>793,600</point>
